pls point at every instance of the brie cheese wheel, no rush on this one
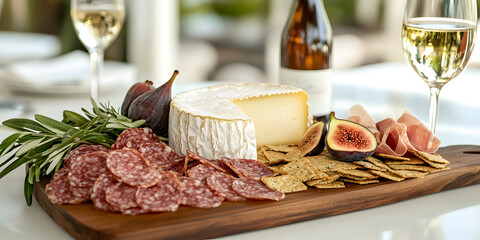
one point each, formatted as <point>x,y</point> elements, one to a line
<point>232,120</point>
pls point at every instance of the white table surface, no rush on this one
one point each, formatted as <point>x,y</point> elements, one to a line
<point>385,90</point>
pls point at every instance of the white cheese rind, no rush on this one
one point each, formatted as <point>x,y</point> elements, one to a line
<point>207,122</point>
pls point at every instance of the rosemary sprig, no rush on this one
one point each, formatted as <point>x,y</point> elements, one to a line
<point>43,143</point>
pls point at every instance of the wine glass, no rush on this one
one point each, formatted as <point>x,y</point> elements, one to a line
<point>438,38</point>
<point>97,23</point>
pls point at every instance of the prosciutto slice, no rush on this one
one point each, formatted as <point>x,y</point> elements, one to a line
<point>420,137</point>
<point>396,137</point>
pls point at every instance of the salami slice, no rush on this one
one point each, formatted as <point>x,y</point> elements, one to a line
<point>131,168</point>
<point>253,189</point>
<point>180,166</point>
<point>221,183</point>
<point>200,172</point>
<point>86,169</point>
<point>121,196</point>
<point>98,192</point>
<point>133,137</point>
<point>158,154</point>
<point>80,191</point>
<point>83,149</point>
<point>58,192</point>
<point>249,168</point>
<point>217,164</point>
<point>163,197</point>
<point>198,194</point>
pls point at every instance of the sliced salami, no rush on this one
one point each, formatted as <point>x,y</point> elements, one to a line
<point>103,182</point>
<point>121,196</point>
<point>134,211</point>
<point>253,189</point>
<point>86,169</point>
<point>133,137</point>
<point>129,166</point>
<point>180,166</point>
<point>58,191</point>
<point>200,172</point>
<point>249,168</point>
<point>221,183</point>
<point>198,194</point>
<point>80,191</point>
<point>82,149</point>
<point>158,154</point>
<point>217,164</point>
<point>163,197</point>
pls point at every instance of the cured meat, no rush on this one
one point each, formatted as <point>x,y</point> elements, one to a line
<point>86,169</point>
<point>158,154</point>
<point>163,197</point>
<point>97,196</point>
<point>420,137</point>
<point>83,149</point>
<point>256,190</point>
<point>58,191</point>
<point>360,115</point>
<point>133,137</point>
<point>393,138</point>
<point>130,167</point>
<point>180,166</point>
<point>200,172</point>
<point>80,191</point>
<point>249,168</point>
<point>198,194</point>
<point>221,184</point>
<point>217,164</point>
<point>121,196</point>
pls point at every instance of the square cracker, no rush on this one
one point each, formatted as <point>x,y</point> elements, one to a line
<point>329,179</point>
<point>392,157</point>
<point>409,173</point>
<point>356,174</point>
<point>414,167</point>
<point>369,165</point>
<point>303,170</point>
<point>293,155</point>
<point>323,163</point>
<point>433,157</point>
<point>361,182</point>
<point>281,148</point>
<point>387,175</point>
<point>413,161</point>
<point>377,162</point>
<point>274,157</point>
<point>336,184</point>
<point>284,183</point>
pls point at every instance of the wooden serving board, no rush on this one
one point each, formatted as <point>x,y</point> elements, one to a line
<point>84,222</point>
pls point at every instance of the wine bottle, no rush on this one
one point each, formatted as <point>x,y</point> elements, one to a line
<point>305,58</point>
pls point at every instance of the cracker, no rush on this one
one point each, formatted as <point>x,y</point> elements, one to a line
<point>357,174</point>
<point>387,175</point>
<point>293,155</point>
<point>301,169</point>
<point>421,168</point>
<point>284,183</point>
<point>325,164</point>
<point>262,159</point>
<point>281,148</point>
<point>361,182</point>
<point>414,161</point>
<point>369,165</point>
<point>329,179</point>
<point>336,184</point>
<point>276,169</point>
<point>433,157</point>
<point>260,150</point>
<point>377,162</point>
<point>409,173</point>
<point>274,157</point>
<point>435,164</point>
<point>392,157</point>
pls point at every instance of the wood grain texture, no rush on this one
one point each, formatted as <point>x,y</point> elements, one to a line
<point>84,222</point>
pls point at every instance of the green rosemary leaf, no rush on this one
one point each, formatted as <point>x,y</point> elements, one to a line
<point>12,166</point>
<point>27,146</point>
<point>51,123</point>
<point>73,118</point>
<point>8,143</point>
<point>28,191</point>
<point>26,125</point>
<point>10,158</point>
<point>31,174</point>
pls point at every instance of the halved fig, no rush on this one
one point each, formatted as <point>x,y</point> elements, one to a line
<point>313,140</point>
<point>349,141</point>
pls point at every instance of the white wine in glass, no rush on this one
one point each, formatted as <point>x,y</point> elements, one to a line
<point>97,23</point>
<point>438,39</point>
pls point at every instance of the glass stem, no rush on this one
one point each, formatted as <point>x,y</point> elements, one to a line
<point>434,92</point>
<point>96,63</point>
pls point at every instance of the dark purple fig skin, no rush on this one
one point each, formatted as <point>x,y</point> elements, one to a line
<point>154,107</point>
<point>313,140</point>
<point>346,154</point>
<point>134,92</point>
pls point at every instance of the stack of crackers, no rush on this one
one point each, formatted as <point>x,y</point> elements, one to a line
<point>294,173</point>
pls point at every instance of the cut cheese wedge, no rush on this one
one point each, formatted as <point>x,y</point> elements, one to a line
<point>232,120</point>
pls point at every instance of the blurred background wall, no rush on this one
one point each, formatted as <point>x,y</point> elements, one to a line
<point>224,40</point>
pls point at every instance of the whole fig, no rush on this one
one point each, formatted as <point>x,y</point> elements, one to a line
<point>134,92</point>
<point>154,107</point>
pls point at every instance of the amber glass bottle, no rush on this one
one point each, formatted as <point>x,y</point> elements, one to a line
<point>306,50</point>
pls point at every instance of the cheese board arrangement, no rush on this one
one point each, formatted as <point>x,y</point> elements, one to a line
<point>222,160</point>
